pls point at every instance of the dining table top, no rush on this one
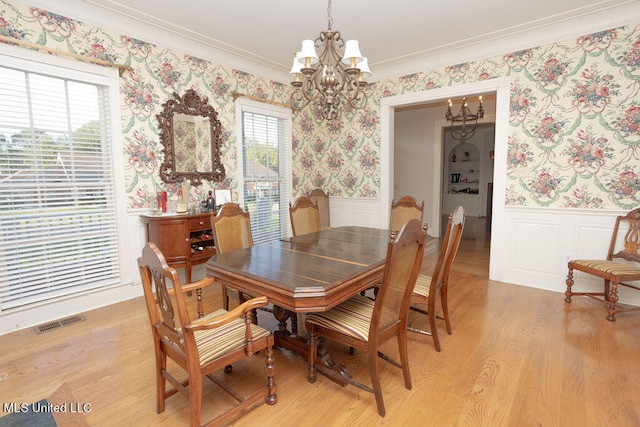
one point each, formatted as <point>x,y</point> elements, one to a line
<point>311,272</point>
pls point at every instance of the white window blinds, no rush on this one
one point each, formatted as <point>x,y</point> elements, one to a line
<point>57,216</point>
<point>265,155</point>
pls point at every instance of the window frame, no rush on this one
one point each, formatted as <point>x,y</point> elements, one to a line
<point>243,104</point>
<point>68,69</point>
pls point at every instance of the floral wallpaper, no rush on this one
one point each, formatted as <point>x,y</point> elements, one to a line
<point>185,150</point>
<point>193,152</point>
<point>574,124</point>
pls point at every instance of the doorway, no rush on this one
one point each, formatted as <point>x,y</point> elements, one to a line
<point>467,176</point>
<point>499,87</point>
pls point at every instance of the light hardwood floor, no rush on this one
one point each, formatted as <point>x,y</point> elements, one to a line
<point>518,356</point>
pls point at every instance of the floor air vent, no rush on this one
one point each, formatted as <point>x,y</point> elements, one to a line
<point>59,323</point>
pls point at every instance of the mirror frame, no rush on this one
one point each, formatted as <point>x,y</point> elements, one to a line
<point>190,104</point>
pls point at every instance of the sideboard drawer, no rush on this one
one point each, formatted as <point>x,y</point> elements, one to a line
<point>184,239</point>
<point>200,223</point>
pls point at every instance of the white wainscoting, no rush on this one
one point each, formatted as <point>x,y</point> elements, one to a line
<point>347,211</point>
<point>537,243</point>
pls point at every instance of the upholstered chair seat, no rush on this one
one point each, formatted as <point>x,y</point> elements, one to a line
<point>607,267</point>
<point>352,317</point>
<point>423,283</point>
<point>215,343</point>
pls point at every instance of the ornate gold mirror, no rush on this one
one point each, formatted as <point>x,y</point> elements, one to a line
<point>191,135</point>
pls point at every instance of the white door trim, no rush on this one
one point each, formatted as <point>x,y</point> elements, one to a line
<point>387,106</point>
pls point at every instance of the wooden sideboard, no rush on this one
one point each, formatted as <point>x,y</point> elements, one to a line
<point>184,239</point>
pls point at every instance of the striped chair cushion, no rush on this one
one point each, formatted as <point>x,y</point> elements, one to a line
<point>213,343</point>
<point>422,285</point>
<point>609,267</point>
<point>351,318</point>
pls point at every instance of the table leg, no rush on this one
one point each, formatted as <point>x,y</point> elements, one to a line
<point>296,343</point>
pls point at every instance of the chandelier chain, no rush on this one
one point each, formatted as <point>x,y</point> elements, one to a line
<point>329,18</point>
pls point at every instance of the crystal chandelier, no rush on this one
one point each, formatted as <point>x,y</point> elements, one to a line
<point>331,77</point>
<point>464,123</point>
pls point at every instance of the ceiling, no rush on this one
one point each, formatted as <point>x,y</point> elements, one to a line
<point>268,32</point>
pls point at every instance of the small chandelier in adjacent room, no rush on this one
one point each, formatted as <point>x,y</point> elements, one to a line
<point>464,124</point>
<point>333,77</point>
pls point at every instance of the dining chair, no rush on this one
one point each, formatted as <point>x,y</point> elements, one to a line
<point>622,265</point>
<point>365,324</point>
<point>320,198</point>
<point>403,210</point>
<point>428,287</point>
<point>231,228</point>
<point>202,346</point>
<point>304,215</point>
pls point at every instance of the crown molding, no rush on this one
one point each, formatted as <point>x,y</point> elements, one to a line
<point>512,39</point>
<point>134,24</point>
<point>152,30</point>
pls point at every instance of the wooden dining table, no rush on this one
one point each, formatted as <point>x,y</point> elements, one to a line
<point>308,273</point>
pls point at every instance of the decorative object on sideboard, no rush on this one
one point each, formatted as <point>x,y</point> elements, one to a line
<point>209,203</point>
<point>181,206</point>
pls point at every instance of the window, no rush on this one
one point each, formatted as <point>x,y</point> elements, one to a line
<point>58,232</point>
<point>264,158</point>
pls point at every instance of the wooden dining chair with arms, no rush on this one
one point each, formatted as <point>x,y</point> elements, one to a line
<point>231,228</point>
<point>203,346</point>
<point>304,215</point>
<point>403,210</point>
<point>621,266</point>
<point>365,324</point>
<point>429,287</point>
<point>321,199</point>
